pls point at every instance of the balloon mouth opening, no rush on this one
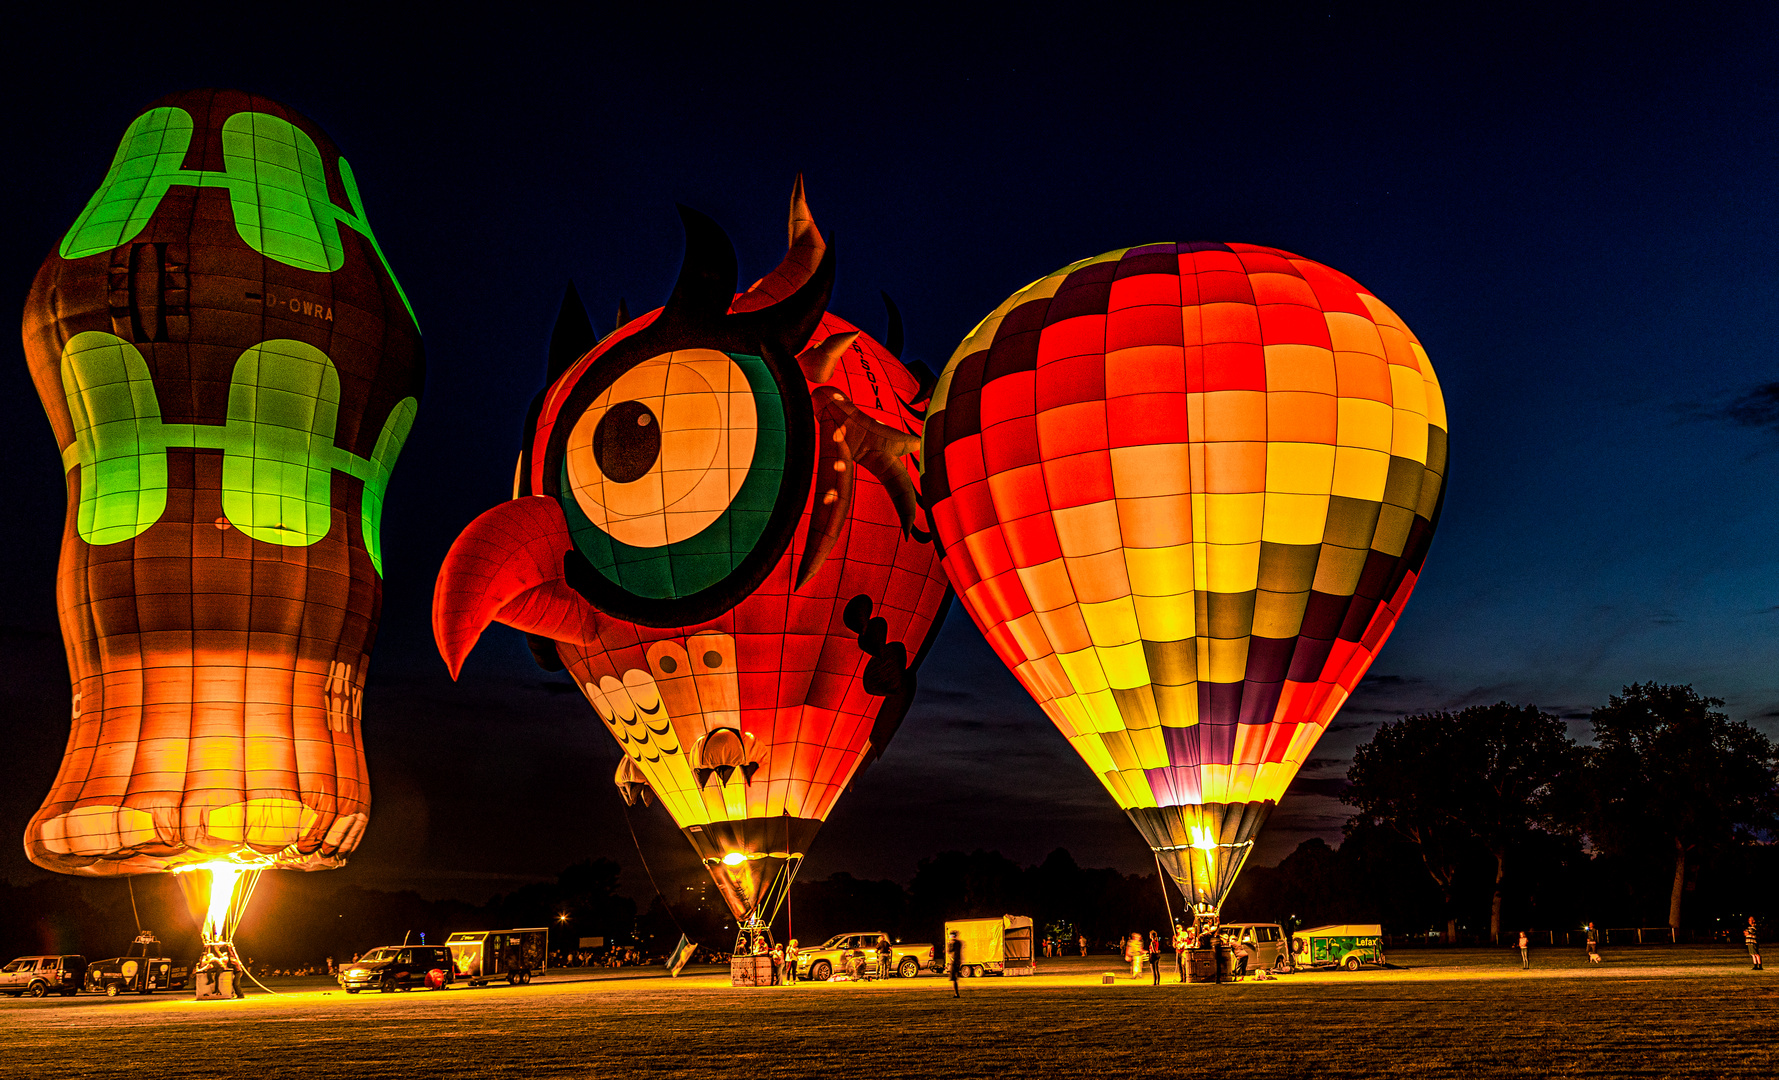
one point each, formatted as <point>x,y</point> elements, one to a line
<point>224,895</point>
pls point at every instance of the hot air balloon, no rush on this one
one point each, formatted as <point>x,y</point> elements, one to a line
<point>230,369</point>
<point>1185,491</point>
<point>714,529</point>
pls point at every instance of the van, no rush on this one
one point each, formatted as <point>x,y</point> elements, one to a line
<point>396,967</point>
<point>1268,946</point>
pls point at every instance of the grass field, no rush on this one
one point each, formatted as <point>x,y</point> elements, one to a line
<point>1649,1011</point>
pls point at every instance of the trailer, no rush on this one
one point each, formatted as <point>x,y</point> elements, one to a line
<point>142,970</point>
<point>482,956</point>
<point>1001,946</point>
<point>1346,945</point>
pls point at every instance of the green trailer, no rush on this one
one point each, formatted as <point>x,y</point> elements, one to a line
<point>1347,945</point>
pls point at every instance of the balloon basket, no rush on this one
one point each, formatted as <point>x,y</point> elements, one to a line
<point>750,971</point>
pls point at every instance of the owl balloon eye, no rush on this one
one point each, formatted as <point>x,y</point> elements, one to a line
<point>673,472</point>
<point>666,449</point>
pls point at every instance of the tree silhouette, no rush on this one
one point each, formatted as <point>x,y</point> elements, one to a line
<point>1483,777</point>
<point>1669,772</point>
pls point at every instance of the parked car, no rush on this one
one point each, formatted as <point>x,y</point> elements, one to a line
<point>820,962</point>
<point>1268,947</point>
<point>397,967</point>
<point>39,976</point>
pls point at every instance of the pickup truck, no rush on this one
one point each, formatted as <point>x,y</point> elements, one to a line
<point>820,962</point>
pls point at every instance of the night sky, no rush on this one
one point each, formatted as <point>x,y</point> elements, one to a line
<point>1575,213</point>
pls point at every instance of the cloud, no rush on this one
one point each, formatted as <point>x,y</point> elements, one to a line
<point>1332,786</point>
<point>1391,680</point>
<point>1756,408</point>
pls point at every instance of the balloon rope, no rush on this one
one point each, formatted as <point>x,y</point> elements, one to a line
<point>1161,878</point>
<point>645,869</point>
<point>789,930</point>
<point>131,882</point>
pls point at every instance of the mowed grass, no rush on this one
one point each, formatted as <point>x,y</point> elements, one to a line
<point>1651,1011</point>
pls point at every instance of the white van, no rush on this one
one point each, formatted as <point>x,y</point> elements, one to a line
<point>1268,947</point>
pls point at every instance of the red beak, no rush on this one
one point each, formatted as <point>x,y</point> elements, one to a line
<point>507,567</point>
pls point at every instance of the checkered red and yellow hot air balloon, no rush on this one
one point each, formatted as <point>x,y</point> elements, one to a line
<point>713,529</point>
<point>1185,491</point>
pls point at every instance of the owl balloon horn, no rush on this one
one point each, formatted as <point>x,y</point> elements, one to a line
<point>230,369</point>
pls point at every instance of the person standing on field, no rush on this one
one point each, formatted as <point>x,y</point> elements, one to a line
<point>1593,940</point>
<point>1155,957</point>
<point>1525,951</point>
<point>1752,939</point>
<point>954,961</point>
<point>790,963</point>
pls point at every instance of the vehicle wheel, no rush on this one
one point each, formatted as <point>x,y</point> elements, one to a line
<point>821,971</point>
<point>388,986</point>
<point>909,967</point>
<point>1352,963</point>
<point>512,978</point>
<point>352,989</point>
<point>111,990</point>
<point>38,989</point>
<point>525,978</point>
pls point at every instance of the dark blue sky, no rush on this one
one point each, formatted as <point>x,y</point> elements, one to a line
<point>1574,212</point>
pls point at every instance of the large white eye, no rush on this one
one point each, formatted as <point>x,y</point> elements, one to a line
<point>663,451</point>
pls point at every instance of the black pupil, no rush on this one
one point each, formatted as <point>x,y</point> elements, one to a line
<point>627,442</point>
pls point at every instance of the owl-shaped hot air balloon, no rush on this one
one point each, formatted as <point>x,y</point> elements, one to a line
<point>715,530</point>
<point>230,369</point>
<point>1185,491</point>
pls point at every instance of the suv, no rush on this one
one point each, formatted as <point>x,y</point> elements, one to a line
<point>397,967</point>
<point>41,975</point>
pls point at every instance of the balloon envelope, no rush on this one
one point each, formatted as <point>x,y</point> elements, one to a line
<point>713,532</point>
<point>1185,491</point>
<point>230,370</point>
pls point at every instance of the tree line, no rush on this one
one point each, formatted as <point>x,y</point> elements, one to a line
<point>1672,808</point>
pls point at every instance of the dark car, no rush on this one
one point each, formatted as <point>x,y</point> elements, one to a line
<point>41,975</point>
<point>397,967</point>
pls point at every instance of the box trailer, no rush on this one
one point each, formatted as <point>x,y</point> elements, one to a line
<point>1000,946</point>
<point>1346,945</point>
<point>482,956</point>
